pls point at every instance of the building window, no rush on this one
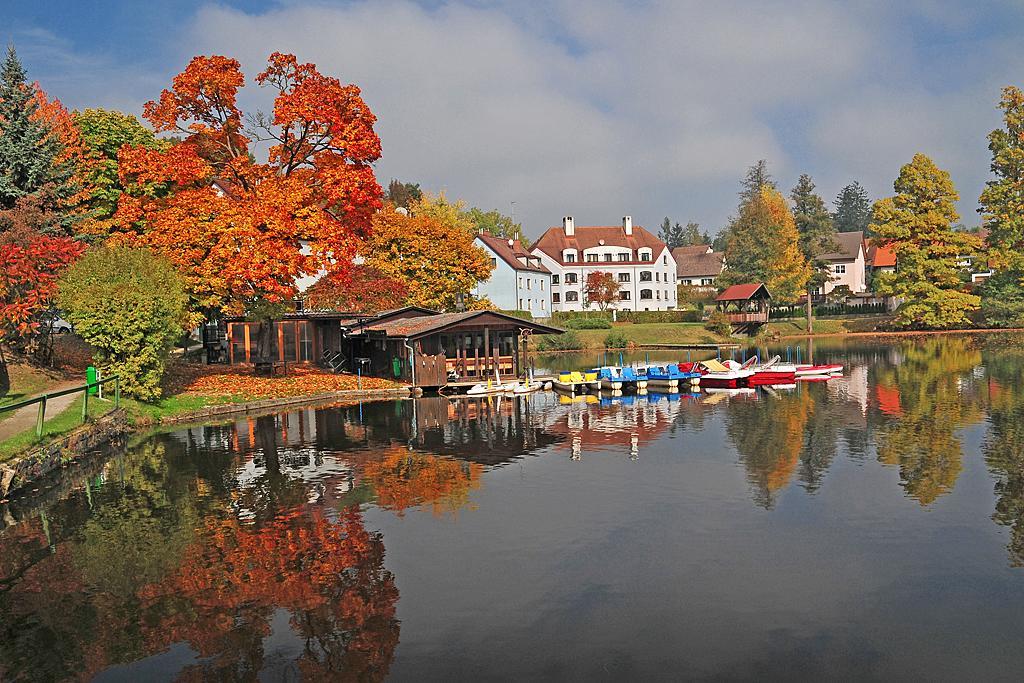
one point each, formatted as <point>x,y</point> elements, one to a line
<point>554,279</point>
<point>664,260</point>
<point>570,257</point>
<point>707,281</point>
<point>592,258</point>
<point>657,295</point>
<point>556,298</point>
<point>646,294</point>
<point>624,255</point>
<point>606,257</point>
<point>623,277</point>
<point>529,283</point>
<point>645,256</point>
<point>571,278</point>
<point>840,268</point>
<point>543,305</point>
<point>494,263</point>
<point>572,296</point>
<point>645,276</point>
<point>623,295</point>
<point>657,277</point>
<point>542,285</point>
<point>521,305</point>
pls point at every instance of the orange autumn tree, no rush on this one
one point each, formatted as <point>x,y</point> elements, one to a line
<point>238,230</point>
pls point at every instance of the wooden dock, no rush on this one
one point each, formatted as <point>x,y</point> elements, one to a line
<point>705,347</point>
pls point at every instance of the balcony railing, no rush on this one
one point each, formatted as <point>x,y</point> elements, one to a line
<point>747,317</point>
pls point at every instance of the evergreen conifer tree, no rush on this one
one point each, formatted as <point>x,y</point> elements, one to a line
<point>853,209</point>
<point>817,236</point>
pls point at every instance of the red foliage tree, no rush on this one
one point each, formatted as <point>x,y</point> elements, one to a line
<point>365,290</point>
<point>240,231</point>
<point>601,289</point>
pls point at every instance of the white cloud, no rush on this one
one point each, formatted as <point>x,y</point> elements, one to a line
<point>600,108</point>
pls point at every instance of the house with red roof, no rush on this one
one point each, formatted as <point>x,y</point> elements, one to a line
<point>519,280</point>
<point>640,262</point>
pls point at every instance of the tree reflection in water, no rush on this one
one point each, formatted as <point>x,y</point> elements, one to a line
<point>1004,447</point>
<point>936,399</point>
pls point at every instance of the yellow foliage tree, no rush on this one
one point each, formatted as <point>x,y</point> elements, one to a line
<point>764,246</point>
<point>432,254</point>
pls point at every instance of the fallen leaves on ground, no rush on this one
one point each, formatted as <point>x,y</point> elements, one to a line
<point>213,380</point>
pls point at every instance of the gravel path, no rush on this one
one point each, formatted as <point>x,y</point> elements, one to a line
<point>25,418</point>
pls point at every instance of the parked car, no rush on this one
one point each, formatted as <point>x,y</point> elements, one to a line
<point>58,325</point>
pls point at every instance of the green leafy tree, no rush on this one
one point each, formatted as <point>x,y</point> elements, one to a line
<point>403,194</point>
<point>817,236</point>
<point>30,150</point>
<point>104,132</point>
<point>1002,210</point>
<point>496,223</point>
<point>917,224</point>
<point>853,209</point>
<point>763,246</point>
<point>129,305</point>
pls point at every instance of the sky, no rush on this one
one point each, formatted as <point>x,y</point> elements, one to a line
<point>590,108</point>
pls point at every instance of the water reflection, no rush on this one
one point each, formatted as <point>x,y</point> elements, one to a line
<point>256,548</point>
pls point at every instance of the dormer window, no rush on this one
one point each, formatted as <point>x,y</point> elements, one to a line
<point>592,258</point>
<point>645,254</point>
<point>569,256</point>
<point>624,255</point>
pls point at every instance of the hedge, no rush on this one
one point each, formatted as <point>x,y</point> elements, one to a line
<point>524,315</point>
<point>659,316</point>
<point>587,324</point>
<point>781,312</point>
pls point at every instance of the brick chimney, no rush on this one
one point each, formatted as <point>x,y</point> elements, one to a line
<point>568,226</point>
<point>627,225</point>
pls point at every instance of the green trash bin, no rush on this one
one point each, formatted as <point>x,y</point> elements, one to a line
<point>396,367</point>
<point>90,378</point>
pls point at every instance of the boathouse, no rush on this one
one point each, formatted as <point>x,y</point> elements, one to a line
<point>747,306</point>
<point>412,344</point>
<point>435,350</point>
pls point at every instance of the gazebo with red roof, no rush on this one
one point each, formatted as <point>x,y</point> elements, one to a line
<point>746,304</point>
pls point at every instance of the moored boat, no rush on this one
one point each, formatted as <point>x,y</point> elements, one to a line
<point>726,374</point>
<point>772,372</point>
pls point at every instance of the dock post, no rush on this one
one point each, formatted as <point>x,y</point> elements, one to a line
<point>798,355</point>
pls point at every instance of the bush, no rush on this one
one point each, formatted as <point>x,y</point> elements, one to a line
<point>718,322</point>
<point>523,315</point>
<point>568,341</point>
<point>587,324</point>
<point>130,306</point>
<point>616,340</point>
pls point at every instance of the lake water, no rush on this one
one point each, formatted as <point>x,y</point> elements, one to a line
<point>870,528</point>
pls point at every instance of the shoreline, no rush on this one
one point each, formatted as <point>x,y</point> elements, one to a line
<point>40,463</point>
<point>904,333</point>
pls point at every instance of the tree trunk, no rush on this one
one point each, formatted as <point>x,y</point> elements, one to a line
<point>264,345</point>
<point>5,376</point>
<point>810,313</point>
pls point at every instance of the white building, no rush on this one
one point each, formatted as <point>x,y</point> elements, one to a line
<point>640,262</point>
<point>518,281</point>
<point>848,263</point>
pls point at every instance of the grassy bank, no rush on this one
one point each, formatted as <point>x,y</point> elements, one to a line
<point>54,427</point>
<point>653,333</point>
<point>824,326</point>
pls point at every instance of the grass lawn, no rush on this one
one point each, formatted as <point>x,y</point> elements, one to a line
<point>54,426</point>
<point>653,333</point>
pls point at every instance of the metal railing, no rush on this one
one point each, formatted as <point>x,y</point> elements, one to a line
<point>85,389</point>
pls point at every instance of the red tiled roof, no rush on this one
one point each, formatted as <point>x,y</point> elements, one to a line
<point>880,255</point>
<point>511,253</point>
<point>742,292</point>
<point>554,241</point>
